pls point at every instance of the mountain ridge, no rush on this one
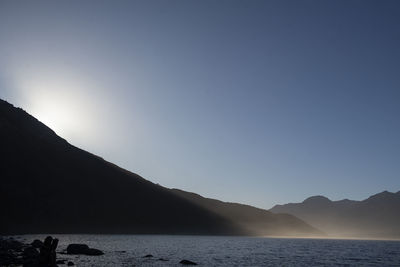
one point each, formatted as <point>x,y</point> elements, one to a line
<point>253,219</point>
<point>51,186</point>
<point>374,217</point>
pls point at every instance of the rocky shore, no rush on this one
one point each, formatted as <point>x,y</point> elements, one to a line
<point>40,253</point>
<point>44,253</point>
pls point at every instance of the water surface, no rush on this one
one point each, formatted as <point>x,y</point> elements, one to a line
<point>129,250</point>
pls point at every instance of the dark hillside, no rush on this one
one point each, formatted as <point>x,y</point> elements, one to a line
<point>50,186</point>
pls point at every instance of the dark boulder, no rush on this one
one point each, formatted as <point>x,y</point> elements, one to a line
<point>77,249</point>
<point>37,243</point>
<point>9,258</point>
<point>30,257</point>
<point>82,249</point>
<point>70,263</point>
<point>94,252</point>
<point>187,262</point>
<point>47,256</point>
<point>30,252</point>
<point>9,251</point>
<point>148,256</point>
<point>11,244</point>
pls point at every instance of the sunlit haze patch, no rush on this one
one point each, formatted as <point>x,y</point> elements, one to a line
<point>61,104</point>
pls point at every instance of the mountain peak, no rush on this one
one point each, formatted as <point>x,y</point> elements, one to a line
<point>383,195</point>
<point>316,199</point>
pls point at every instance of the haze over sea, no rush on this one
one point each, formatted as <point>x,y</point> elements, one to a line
<point>129,250</point>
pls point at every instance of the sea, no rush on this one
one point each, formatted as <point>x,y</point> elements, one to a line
<point>166,250</point>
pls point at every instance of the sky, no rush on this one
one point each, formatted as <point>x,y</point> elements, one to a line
<point>257,102</point>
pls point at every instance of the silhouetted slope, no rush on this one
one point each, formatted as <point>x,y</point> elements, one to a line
<point>376,217</point>
<point>50,186</point>
<point>254,220</point>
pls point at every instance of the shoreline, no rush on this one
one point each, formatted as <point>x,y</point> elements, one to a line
<point>194,235</point>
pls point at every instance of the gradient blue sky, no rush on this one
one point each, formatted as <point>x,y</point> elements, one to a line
<point>259,102</point>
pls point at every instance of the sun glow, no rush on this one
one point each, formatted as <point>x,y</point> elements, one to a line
<point>59,116</point>
<point>61,105</point>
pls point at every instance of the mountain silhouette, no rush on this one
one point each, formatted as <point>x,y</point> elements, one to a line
<point>254,220</point>
<point>49,186</point>
<point>375,217</point>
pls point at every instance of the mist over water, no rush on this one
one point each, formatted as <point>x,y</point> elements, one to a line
<point>129,250</point>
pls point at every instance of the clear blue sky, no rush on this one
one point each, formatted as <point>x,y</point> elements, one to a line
<point>259,102</point>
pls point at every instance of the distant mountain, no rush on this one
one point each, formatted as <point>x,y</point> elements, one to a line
<point>50,186</point>
<point>375,217</point>
<point>253,220</point>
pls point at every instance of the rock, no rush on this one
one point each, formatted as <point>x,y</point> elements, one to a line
<point>61,261</point>
<point>30,252</point>
<point>162,259</point>
<point>30,256</point>
<point>187,262</point>
<point>9,252</point>
<point>82,249</point>
<point>94,252</point>
<point>47,256</point>
<point>8,258</point>
<point>11,244</point>
<point>37,243</point>
<point>148,256</point>
<point>77,249</point>
<point>70,263</point>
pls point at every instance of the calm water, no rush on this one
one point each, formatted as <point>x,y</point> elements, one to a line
<point>128,250</point>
